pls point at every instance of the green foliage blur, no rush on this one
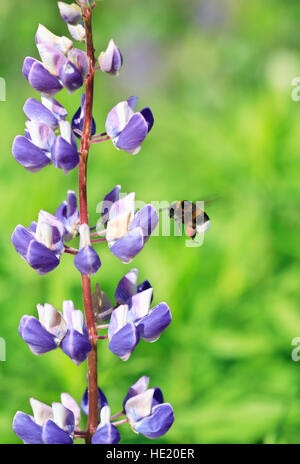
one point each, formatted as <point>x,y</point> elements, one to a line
<point>217,75</point>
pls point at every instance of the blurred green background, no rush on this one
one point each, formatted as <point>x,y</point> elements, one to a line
<point>217,75</point>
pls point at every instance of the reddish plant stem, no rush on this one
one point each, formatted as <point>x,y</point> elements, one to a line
<point>70,251</point>
<point>122,421</point>
<point>100,140</point>
<point>82,180</point>
<point>119,414</point>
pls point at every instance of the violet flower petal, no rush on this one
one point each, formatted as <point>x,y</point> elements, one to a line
<point>76,345</point>
<point>27,65</point>
<point>36,111</point>
<point>64,155</point>
<point>139,305</point>
<point>26,429</point>
<point>126,287</point>
<point>41,258</point>
<point>127,247</point>
<point>87,261</point>
<point>21,239</point>
<point>147,218</point>
<point>63,417</point>
<point>138,387</point>
<point>68,402</point>
<point>70,77</point>
<point>148,116</point>
<point>111,198</point>
<point>80,60</point>
<point>36,336</point>
<point>157,423</point>
<point>28,155</point>
<point>41,80</point>
<point>54,435</point>
<point>68,214</point>
<point>124,341</point>
<point>106,435</point>
<point>144,286</point>
<point>158,397</point>
<point>119,116</point>
<point>151,326</point>
<point>133,134</point>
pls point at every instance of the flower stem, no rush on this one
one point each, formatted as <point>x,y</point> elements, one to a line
<point>102,337</point>
<point>122,421</point>
<point>98,240</point>
<point>100,140</point>
<point>86,283</point>
<point>115,416</point>
<point>70,251</point>
<point>102,327</point>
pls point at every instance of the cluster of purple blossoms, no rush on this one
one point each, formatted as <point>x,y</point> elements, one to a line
<point>133,319</point>
<point>49,137</point>
<point>53,329</point>
<point>144,409</point>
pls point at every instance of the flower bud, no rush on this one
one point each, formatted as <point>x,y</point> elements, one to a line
<point>77,32</point>
<point>71,14</point>
<point>86,261</point>
<point>111,60</point>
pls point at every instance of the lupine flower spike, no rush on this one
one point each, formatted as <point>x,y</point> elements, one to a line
<point>50,138</point>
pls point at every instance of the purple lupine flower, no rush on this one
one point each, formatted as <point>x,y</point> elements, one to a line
<point>146,411</point>
<point>126,128</point>
<point>134,320</point>
<point>64,152</point>
<point>111,60</point>
<point>48,112</point>
<point>71,14</point>
<point>128,231</point>
<point>40,144</point>
<point>55,62</point>
<point>69,215</point>
<point>56,70</point>
<point>33,151</point>
<point>128,286</point>
<point>54,329</point>
<point>78,119</point>
<point>106,433</point>
<point>49,425</point>
<point>41,244</point>
<point>87,260</point>
<point>76,343</point>
<point>102,401</point>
